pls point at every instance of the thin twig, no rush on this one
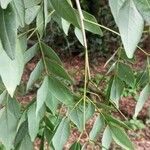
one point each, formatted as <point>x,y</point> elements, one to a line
<point>87,70</point>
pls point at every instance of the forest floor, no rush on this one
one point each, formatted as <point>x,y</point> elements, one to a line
<point>75,66</point>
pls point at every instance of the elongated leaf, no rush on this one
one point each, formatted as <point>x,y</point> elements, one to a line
<point>90,109</point>
<point>76,146</point>
<point>61,135</point>
<point>26,143</point>
<point>106,139</point>
<point>50,53</point>
<point>14,107</point>
<point>78,34</point>
<point>48,135</point>
<point>40,21</point>
<point>89,26</point>
<point>8,126</point>
<point>4,3</point>
<point>48,123</point>
<point>23,42</point>
<point>116,90</point>
<point>23,118</point>
<point>31,13</point>
<point>126,74</point>
<point>141,101</point>
<point>35,74</point>
<point>144,8</point>
<point>115,121</point>
<point>60,91</point>
<point>77,115</point>
<point>11,70</point>
<point>115,6</point>
<point>130,30</point>
<point>121,138</point>
<point>65,26</point>
<point>2,97</point>
<point>31,52</point>
<point>8,28</point>
<point>98,124</point>
<point>64,9</point>
<point>21,133</point>
<point>45,12</point>
<point>33,121</point>
<point>52,102</point>
<point>20,12</point>
<point>57,70</point>
<point>31,3</point>
<point>42,95</point>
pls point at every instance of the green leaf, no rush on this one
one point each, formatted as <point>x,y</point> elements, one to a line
<point>48,135</point>
<point>31,3</point>
<point>26,143</point>
<point>8,28</point>
<point>65,26</point>
<point>52,102</point>
<point>126,74</point>
<point>115,6</point>
<point>2,97</point>
<point>4,3</point>
<point>35,74</point>
<point>106,139</point>
<point>115,121</point>
<point>57,70</point>
<point>33,121</point>
<point>79,36</point>
<point>76,146</point>
<point>45,12</point>
<point>72,16</point>
<point>143,7</point>
<point>42,94</point>
<point>8,126</point>
<point>142,78</point>
<point>141,101</point>
<point>61,135</point>
<point>50,53</point>
<point>31,13</point>
<point>14,106</point>
<point>21,133</point>
<point>11,70</point>
<point>121,138</point>
<point>40,22</point>
<point>60,91</point>
<point>77,115</point>
<point>64,9</point>
<point>49,124</point>
<point>89,25</point>
<point>116,90</point>
<point>20,12</point>
<point>31,52</point>
<point>23,42</point>
<point>90,109</point>
<point>130,30</point>
<point>22,119</point>
<point>98,124</point>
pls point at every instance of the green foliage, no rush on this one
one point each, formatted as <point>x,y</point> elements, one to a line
<point>20,125</point>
